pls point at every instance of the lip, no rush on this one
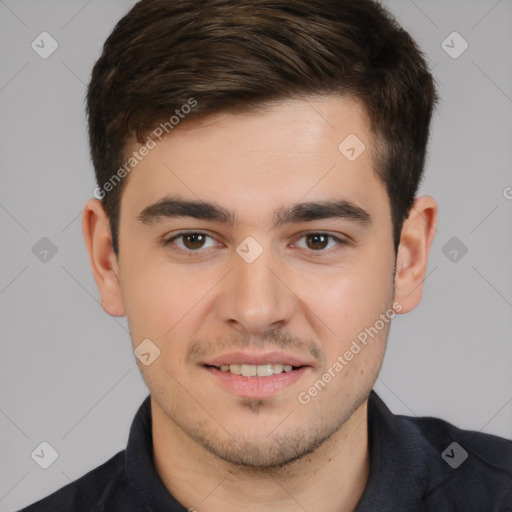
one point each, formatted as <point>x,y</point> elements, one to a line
<point>256,359</point>
<point>256,387</point>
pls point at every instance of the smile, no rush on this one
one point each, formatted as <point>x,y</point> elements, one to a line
<point>252,370</point>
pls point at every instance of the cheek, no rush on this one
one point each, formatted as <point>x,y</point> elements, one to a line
<point>348,295</point>
<point>163,302</point>
<point>153,300</point>
<point>347,303</point>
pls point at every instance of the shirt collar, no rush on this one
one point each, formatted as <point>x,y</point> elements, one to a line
<point>140,466</point>
<point>398,466</point>
<point>398,471</point>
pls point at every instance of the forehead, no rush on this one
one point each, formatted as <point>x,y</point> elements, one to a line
<point>285,152</point>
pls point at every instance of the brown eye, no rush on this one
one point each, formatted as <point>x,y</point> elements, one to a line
<point>320,242</point>
<point>317,241</point>
<point>191,241</point>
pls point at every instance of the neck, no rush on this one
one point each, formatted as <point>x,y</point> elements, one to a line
<point>332,478</point>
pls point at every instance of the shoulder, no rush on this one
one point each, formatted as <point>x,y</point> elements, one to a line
<point>103,489</point>
<point>488,453</point>
<point>464,466</point>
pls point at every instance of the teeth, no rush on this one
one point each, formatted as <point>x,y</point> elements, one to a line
<point>264,370</point>
<point>248,370</point>
<point>233,368</point>
<point>252,370</point>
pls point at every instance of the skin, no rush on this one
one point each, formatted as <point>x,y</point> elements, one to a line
<point>215,450</point>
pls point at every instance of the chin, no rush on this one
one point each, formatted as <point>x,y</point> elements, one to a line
<point>271,452</point>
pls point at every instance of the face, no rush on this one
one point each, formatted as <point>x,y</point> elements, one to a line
<point>285,261</point>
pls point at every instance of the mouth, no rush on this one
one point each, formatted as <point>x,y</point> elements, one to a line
<point>256,376</point>
<point>252,370</point>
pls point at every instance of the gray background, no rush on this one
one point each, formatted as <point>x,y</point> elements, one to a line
<point>68,375</point>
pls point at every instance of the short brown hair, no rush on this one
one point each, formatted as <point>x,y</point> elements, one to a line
<point>233,55</point>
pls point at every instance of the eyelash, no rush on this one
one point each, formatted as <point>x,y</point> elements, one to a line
<point>170,241</point>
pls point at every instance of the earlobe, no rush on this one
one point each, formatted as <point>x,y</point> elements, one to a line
<point>412,259</point>
<point>98,239</point>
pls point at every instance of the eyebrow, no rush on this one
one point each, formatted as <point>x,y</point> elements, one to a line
<point>171,207</point>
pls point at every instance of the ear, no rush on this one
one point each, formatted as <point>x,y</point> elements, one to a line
<point>105,269</point>
<point>416,238</point>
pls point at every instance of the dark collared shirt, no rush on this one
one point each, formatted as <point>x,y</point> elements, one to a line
<point>417,464</point>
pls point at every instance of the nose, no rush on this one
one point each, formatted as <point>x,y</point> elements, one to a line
<point>256,297</point>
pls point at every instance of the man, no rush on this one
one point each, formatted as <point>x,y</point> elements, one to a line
<point>256,220</point>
